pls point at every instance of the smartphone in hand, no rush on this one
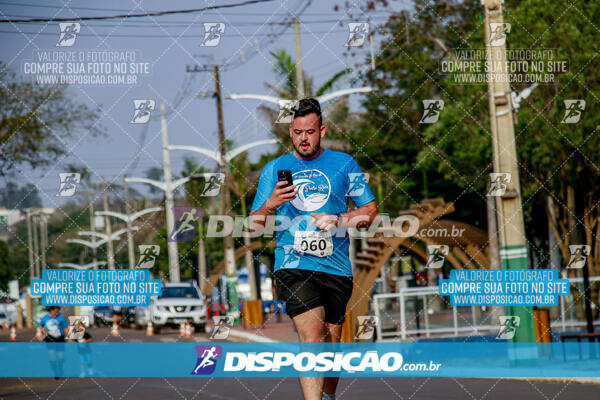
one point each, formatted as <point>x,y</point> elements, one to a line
<point>286,176</point>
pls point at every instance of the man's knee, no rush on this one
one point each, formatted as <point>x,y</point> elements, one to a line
<point>310,332</point>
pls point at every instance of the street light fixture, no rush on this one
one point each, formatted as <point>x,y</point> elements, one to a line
<point>129,218</point>
<point>87,266</point>
<point>215,155</point>
<point>114,236</point>
<point>103,239</point>
<point>322,99</point>
<point>92,245</point>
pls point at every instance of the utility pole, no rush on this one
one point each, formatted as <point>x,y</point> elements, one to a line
<point>108,229</point>
<point>30,246</point>
<point>230,268</point>
<point>93,227</point>
<point>254,285</point>
<point>43,240</point>
<point>372,50</point>
<point>201,258</point>
<point>171,245</point>
<point>130,249</point>
<point>299,75</point>
<point>513,252</point>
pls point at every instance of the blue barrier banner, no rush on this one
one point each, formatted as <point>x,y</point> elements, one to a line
<point>223,359</point>
<point>102,287</point>
<point>520,287</point>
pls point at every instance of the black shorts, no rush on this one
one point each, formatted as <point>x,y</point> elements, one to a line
<point>52,339</point>
<point>304,290</point>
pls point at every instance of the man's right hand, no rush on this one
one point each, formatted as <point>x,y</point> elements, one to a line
<point>280,195</point>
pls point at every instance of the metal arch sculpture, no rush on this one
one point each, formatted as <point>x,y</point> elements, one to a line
<point>468,250</point>
<point>371,259</point>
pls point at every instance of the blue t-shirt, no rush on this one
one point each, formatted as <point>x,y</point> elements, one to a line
<point>54,326</point>
<point>324,184</point>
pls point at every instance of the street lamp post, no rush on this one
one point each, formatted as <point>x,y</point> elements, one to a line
<point>223,160</point>
<point>37,253</point>
<point>171,245</point>
<point>107,227</point>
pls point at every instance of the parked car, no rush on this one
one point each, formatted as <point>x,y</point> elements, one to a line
<point>179,302</point>
<point>103,315</point>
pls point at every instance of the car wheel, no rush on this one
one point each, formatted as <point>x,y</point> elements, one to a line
<point>199,328</point>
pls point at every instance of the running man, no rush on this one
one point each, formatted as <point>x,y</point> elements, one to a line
<point>53,326</point>
<point>317,288</point>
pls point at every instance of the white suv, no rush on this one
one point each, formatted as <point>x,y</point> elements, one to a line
<point>179,302</point>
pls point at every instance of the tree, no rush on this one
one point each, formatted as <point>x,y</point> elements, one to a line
<point>390,142</point>
<point>155,173</point>
<point>558,163</point>
<point>36,121</point>
<point>335,115</point>
<point>15,197</point>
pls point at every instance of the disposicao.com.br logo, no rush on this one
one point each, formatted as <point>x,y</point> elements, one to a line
<point>349,362</point>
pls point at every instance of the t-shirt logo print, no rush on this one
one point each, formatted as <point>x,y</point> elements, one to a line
<point>313,188</point>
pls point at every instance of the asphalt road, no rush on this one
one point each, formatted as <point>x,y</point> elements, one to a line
<point>274,388</point>
<point>288,389</point>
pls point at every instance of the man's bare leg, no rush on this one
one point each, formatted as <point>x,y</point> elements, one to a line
<point>333,333</point>
<point>310,326</point>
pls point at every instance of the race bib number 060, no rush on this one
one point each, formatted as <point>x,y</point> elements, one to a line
<point>316,243</point>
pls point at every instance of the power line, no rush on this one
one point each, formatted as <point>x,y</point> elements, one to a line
<point>125,16</point>
<point>186,24</point>
<point>157,36</point>
<point>256,48</point>
<point>383,12</point>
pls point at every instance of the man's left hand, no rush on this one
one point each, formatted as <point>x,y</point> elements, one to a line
<point>324,221</point>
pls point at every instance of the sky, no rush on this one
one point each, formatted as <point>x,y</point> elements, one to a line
<point>166,46</point>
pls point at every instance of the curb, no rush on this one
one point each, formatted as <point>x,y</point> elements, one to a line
<point>251,337</point>
<point>582,380</point>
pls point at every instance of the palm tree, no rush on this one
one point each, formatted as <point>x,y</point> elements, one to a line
<point>336,114</point>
